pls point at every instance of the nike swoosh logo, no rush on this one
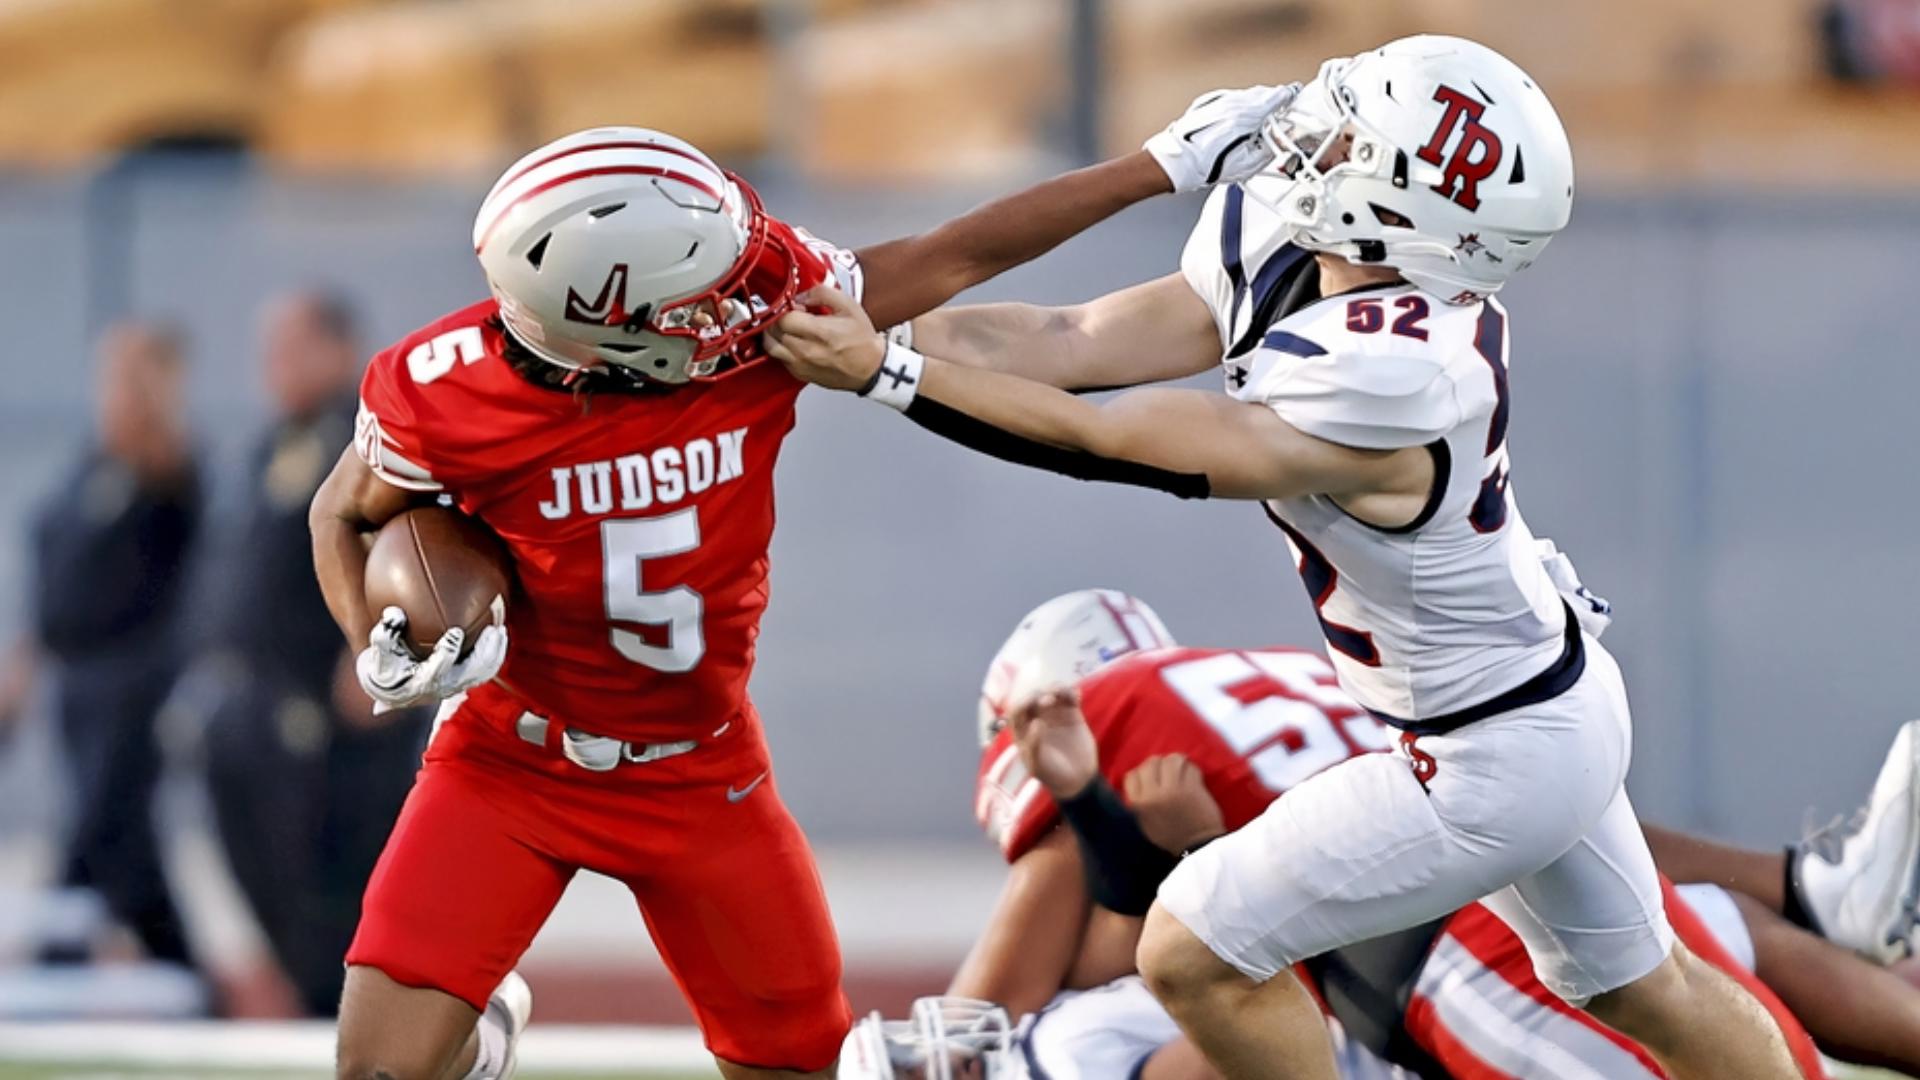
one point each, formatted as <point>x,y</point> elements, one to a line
<point>1189,135</point>
<point>736,794</point>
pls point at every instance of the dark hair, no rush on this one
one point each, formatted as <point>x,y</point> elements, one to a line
<point>552,376</point>
<point>332,312</point>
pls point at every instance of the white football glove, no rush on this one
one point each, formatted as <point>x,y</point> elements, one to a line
<point>1217,140</point>
<point>395,680</point>
<point>1594,612</point>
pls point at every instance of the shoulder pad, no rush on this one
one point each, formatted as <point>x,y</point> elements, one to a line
<point>1202,266</point>
<point>1368,398</point>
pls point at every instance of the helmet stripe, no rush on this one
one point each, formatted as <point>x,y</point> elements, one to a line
<point>581,174</point>
<point>624,144</point>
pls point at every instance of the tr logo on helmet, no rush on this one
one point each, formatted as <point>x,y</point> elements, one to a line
<point>607,309</point>
<point>1464,169</point>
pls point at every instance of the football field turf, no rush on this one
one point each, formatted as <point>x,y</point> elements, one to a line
<point>81,1071</point>
<point>209,1050</point>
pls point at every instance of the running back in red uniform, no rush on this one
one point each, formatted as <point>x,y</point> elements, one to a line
<point>638,524</point>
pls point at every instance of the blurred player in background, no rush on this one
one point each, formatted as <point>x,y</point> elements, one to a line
<point>109,555</point>
<point>305,780</point>
<point>1201,741</point>
<point>608,414</point>
<point>1347,292</point>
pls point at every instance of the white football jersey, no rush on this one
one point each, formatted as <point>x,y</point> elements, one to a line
<point>1451,611</point>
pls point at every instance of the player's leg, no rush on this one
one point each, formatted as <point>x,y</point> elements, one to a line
<point>1857,1011</point>
<point>1857,885</point>
<point>1595,926</point>
<point>1683,857</point>
<point>1353,853</point>
<point>1246,1027</point>
<point>458,894</point>
<point>741,920</point>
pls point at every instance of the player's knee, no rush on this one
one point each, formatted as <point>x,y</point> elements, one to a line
<point>1650,1004</point>
<point>1177,966</point>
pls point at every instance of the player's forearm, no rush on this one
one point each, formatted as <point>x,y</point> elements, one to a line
<point>1025,339</point>
<point>1016,404</point>
<point>914,275</point>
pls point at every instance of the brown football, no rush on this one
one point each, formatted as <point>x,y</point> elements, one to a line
<point>441,567</point>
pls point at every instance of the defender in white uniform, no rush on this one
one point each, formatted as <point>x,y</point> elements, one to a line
<point>1347,288</point>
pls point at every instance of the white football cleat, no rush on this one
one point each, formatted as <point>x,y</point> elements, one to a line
<point>510,1007</point>
<point>1861,879</point>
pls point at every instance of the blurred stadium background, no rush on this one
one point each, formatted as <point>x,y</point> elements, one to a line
<point>1716,371</point>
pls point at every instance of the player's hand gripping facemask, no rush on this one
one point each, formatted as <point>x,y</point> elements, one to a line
<point>947,1038</point>
<point>1217,140</point>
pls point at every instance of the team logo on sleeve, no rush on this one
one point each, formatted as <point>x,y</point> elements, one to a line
<point>607,309</point>
<point>1474,157</point>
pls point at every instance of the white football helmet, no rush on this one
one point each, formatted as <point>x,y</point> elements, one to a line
<point>627,249</point>
<point>1457,174</point>
<point>947,1038</point>
<point>1063,641</point>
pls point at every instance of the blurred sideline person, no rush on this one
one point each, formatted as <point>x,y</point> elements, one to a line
<point>610,414</point>
<point>1346,295</point>
<point>1200,740</point>
<point>305,780</point>
<point>109,552</point>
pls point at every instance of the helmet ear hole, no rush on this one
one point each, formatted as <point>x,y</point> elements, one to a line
<point>538,252</point>
<point>1390,218</point>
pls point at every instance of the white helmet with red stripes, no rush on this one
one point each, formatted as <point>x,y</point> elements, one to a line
<point>1063,641</point>
<point>627,249</point>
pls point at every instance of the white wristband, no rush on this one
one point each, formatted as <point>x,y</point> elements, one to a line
<point>898,380</point>
<point>901,334</point>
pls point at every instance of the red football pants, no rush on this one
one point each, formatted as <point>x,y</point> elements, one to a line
<point>495,827</point>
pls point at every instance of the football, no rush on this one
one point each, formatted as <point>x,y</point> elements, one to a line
<point>441,567</point>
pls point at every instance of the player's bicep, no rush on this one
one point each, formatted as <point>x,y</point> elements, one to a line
<point>1243,449</point>
<point>907,277</point>
<point>1151,332</point>
<point>354,495</point>
<point>1022,958</point>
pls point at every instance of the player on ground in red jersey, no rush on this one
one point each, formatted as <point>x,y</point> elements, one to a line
<point>1202,741</point>
<point>608,415</point>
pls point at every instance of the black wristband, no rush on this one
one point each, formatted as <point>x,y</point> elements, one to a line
<point>1123,868</point>
<point>976,434</point>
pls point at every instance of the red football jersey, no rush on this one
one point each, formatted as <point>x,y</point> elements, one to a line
<point>1255,722</point>
<point>638,522</point>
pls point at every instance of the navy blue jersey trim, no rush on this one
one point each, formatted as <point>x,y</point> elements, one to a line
<point>1557,679</point>
<point>1230,218</point>
<point>1489,340</point>
<point>1442,456</point>
<point>1026,1044</point>
<point>1292,344</point>
<point>1271,287</point>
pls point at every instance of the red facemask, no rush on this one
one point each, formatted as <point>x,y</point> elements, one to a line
<point>775,267</point>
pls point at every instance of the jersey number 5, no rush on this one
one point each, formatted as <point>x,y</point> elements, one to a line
<point>627,545</point>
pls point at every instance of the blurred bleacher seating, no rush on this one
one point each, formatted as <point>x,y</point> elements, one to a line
<point>1699,91</point>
